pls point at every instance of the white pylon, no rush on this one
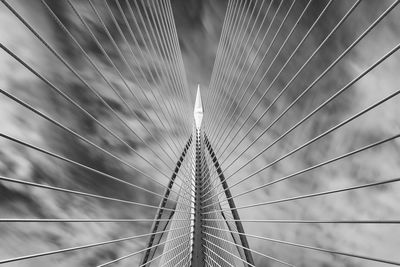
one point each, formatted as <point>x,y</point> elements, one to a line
<point>198,109</point>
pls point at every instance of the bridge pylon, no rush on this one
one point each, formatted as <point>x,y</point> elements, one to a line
<point>202,237</point>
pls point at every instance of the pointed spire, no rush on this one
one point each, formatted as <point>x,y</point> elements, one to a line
<point>198,109</point>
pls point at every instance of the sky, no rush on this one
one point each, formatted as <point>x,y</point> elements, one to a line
<point>199,26</point>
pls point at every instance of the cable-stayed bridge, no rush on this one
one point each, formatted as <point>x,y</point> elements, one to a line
<point>198,221</point>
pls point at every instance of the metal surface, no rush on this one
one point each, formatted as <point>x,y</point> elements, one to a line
<point>198,247</point>
<point>163,203</point>
<point>232,206</point>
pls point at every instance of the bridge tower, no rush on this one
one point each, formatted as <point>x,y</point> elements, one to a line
<point>202,234</point>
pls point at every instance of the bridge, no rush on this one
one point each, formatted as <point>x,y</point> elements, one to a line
<point>211,178</point>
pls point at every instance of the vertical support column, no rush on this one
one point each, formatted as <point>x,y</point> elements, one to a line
<point>198,246</point>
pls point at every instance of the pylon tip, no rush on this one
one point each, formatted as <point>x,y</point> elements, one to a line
<point>198,108</point>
